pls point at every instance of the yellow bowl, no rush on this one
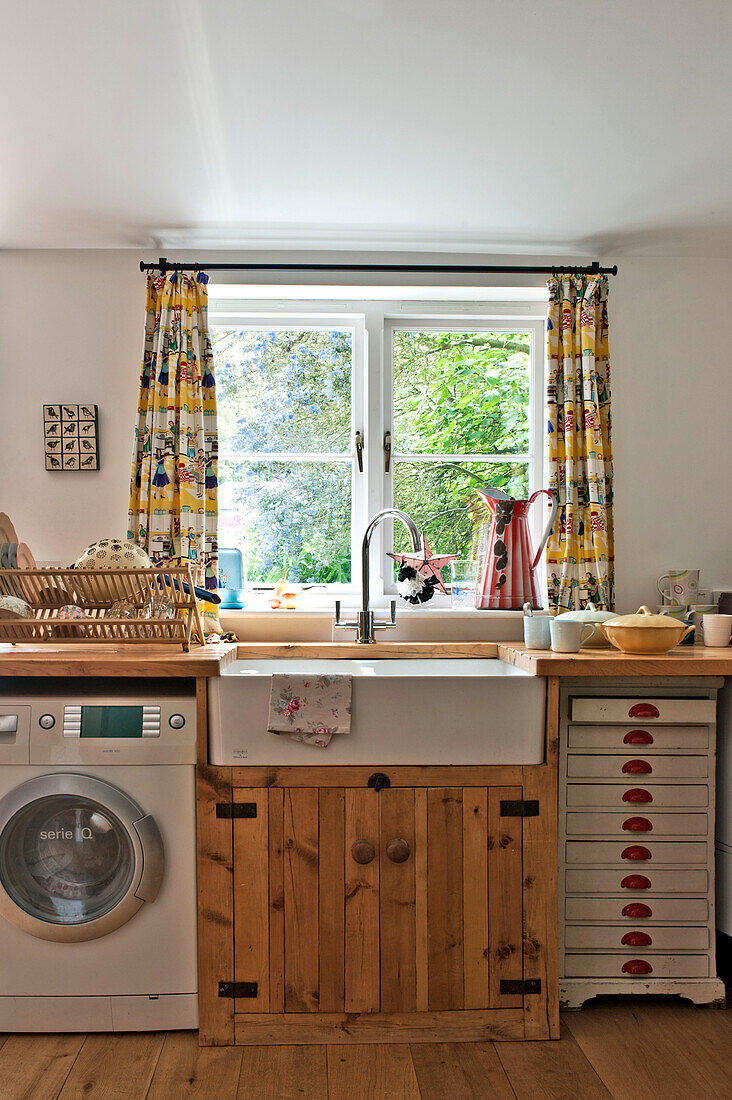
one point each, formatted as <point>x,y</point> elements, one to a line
<point>644,632</point>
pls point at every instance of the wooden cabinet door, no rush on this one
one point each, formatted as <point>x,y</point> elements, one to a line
<point>306,912</point>
<point>402,901</point>
<point>451,914</point>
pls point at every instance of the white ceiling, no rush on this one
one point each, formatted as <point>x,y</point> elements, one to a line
<point>547,126</point>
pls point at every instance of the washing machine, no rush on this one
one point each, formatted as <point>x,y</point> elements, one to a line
<point>97,855</point>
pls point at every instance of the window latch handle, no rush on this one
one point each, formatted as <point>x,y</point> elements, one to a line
<point>387,451</point>
<point>359,451</point>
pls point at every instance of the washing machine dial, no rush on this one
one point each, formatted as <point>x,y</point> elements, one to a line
<point>177,721</point>
<point>47,721</point>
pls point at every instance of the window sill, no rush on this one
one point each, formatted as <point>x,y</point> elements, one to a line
<point>316,624</point>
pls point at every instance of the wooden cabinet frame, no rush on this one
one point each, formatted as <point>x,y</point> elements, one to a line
<point>427,976</point>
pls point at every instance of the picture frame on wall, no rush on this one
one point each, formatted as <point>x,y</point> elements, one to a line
<point>71,437</point>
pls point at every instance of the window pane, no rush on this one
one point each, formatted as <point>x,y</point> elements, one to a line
<point>289,519</point>
<point>461,392</point>
<point>442,502</point>
<point>283,391</point>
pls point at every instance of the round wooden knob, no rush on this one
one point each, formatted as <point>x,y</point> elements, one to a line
<point>363,851</point>
<point>397,850</point>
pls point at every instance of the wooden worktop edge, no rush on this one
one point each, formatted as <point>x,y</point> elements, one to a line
<point>133,660</point>
<point>212,660</point>
<point>682,661</point>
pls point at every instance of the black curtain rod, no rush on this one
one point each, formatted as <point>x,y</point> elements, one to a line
<point>594,268</point>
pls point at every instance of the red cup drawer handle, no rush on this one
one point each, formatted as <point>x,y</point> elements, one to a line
<point>636,882</point>
<point>637,939</point>
<point>643,710</point>
<point>637,966</point>
<point>638,825</point>
<point>638,737</point>
<point>637,910</point>
<point>637,767</point>
<point>637,794</point>
<point>636,851</point>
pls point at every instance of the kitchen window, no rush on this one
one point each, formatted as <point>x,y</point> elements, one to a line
<point>331,410</point>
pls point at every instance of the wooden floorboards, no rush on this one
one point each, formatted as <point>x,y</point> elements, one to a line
<point>624,1050</point>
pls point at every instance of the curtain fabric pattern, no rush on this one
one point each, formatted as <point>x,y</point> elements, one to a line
<point>580,553</point>
<point>173,493</point>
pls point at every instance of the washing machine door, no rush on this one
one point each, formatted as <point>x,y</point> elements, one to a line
<point>77,857</point>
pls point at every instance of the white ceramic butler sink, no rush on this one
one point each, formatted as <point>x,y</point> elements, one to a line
<point>427,711</point>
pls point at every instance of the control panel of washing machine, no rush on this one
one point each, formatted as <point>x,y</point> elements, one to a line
<point>102,720</point>
<point>96,728</point>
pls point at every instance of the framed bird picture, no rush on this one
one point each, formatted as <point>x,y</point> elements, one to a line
<point>70,437</point>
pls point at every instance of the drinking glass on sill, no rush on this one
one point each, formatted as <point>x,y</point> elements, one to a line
<point>463,583</point>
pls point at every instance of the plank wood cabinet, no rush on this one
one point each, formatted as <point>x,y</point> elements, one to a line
<point>416,912</point>
<point>636,839</point>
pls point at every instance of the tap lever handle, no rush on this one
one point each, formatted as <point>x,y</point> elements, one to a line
<point>393,612</point>
<point>337,612</point>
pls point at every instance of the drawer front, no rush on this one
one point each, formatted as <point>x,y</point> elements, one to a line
<point>636,766</point>
<point>636,911</point>
<point>638,737</point>
<point>638,795</point>
<point>636,882</point>
<point>645,711</point>
<point>636,967</point>
<point>636,823</point>
<point>636,854</point>
<point>650,937</point>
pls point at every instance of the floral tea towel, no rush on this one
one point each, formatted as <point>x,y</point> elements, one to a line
<point>310,708</point>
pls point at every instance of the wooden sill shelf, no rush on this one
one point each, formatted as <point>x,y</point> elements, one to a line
<point>353,651</point>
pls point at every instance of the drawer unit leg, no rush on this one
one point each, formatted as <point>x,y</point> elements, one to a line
<point>573,992</point>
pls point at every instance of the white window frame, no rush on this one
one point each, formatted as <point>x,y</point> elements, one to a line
<point>373,322</point>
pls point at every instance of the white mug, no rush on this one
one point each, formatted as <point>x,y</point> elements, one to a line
<point>717,629</point>
<point>568,634</point>
<point>536,631</point>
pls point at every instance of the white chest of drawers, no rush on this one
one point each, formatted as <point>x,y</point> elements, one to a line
<point>636,839</point>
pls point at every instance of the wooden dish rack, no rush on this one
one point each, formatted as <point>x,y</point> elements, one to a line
<point>95,591</point>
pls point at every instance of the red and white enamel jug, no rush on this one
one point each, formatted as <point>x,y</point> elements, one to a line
<point>508,578</point>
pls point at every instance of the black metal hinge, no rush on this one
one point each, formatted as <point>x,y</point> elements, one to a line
<point>528,807</point>
<point>517,986</point>
<point>236,809</point>
<point>237,989</point>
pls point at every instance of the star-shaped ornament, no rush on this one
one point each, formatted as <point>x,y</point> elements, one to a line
<point>427,564</point>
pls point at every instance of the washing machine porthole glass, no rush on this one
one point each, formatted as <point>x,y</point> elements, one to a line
<point>66,859</point>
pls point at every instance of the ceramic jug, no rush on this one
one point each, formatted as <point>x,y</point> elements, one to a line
<point>508,577</point>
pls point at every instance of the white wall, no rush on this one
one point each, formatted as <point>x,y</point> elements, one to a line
<point>71,327</point>
<point>671,363</point>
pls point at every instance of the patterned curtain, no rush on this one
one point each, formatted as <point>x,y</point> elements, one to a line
<point>580,554</point>
<point>173,494</point>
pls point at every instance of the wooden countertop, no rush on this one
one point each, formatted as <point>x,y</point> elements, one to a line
<point>682,661</point>
<point>110,660</point>
<point>211,660</point>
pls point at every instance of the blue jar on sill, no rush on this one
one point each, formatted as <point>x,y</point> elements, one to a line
<point>231,584</point>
